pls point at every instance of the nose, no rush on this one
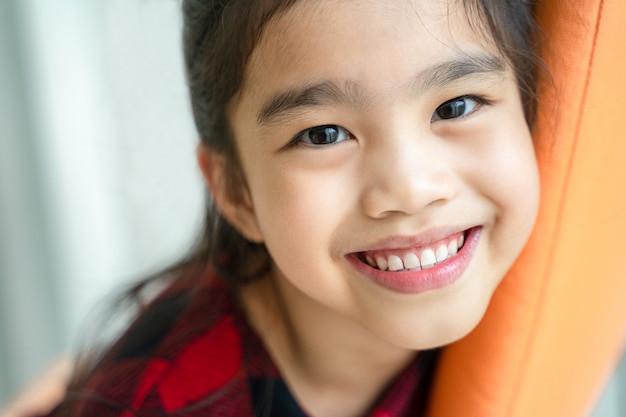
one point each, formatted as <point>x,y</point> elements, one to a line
<point>407,175</point>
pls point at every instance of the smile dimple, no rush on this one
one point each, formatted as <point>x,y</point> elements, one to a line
<point>424,257</point>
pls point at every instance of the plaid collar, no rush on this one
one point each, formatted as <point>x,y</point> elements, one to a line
<point>195,355</point>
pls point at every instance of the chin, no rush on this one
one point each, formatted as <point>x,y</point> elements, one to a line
<point>445,329</point>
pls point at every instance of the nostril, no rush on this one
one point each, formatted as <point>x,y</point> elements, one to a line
<point>398,191</point>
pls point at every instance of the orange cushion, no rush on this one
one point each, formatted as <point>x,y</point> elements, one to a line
<point>557,324</point>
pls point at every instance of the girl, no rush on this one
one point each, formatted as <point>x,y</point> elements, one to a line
<point>372,179</point>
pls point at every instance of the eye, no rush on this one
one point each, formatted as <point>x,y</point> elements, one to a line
<point>457,107</point>
<point>322,135</point>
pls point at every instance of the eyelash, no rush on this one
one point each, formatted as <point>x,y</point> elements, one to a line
<point>338,131</point>
<point>478,100</point>
<point>299,139</point>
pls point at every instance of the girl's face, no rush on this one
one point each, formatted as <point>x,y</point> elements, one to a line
<point>390,170</point>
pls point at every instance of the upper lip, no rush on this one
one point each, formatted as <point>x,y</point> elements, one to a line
<point>425,238</point>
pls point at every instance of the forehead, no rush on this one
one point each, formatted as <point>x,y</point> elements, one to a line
<point>358,40</point>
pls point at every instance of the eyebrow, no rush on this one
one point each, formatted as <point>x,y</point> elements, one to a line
<point>330,93</point>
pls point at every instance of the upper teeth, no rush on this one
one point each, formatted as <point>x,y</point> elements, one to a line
<point>414,260</point>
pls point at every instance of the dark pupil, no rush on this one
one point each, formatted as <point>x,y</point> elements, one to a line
<point>452,109</point>
<point>323,135</point>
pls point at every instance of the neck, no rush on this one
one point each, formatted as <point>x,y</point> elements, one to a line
<point>332,364</point>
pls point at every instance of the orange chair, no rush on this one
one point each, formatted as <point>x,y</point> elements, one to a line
<point>557,325</point>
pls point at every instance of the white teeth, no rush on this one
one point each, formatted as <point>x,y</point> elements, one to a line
<point>442,253</point>
<point>411,261</point>
<point>395,263</point>
<point>428,258</point>
<point>453,248</point>
<point>381,263</point>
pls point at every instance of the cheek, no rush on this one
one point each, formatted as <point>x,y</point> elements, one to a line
<point>303,192</point>
<point>299,215</point>
<point>512,184</point>
<point>520,166</point>
<point>298,209</point>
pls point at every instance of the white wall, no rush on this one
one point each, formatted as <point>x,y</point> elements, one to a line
<point>103,157</point>
<point>119,141</point>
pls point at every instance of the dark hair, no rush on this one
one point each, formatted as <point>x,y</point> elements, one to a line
<point>219,37</point>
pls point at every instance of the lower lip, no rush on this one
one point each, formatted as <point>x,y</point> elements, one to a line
<point>419,281</point>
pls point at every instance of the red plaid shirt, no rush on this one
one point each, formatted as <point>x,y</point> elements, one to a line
<point>196,356</point>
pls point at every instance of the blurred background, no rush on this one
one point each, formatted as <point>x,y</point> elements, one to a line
<point>98,184</point>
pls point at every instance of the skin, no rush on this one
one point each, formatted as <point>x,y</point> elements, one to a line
<point>401,172</point>
<point>43,394</point>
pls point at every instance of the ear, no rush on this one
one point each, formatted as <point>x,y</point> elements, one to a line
<point>234,204</point>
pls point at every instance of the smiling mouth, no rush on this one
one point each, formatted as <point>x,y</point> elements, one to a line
<point>415,259</point>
